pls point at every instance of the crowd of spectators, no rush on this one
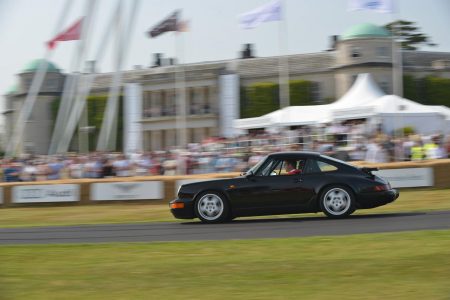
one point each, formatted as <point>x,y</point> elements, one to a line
<point>348,142</point>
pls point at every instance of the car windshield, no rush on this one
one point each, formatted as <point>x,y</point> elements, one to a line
<point>256,167</point>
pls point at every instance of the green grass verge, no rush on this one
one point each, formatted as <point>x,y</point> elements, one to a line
<point>409,265</point>
<point>409,200</point>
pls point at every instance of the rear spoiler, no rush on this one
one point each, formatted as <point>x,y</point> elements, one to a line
<point>368,170</point>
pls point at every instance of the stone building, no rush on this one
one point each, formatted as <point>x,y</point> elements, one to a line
<point>364,48</point>
<point>38,129</point>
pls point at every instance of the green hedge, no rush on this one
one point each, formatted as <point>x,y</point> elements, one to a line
<point>263,97</point>
<point>428,90</point>
<point>437,91</point>
<point>96,105</point>
<point>260,98</point>
<point>96,108</point>
<point>411,88</point>
<point>301,92</point>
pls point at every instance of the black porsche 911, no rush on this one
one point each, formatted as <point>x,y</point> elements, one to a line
<point>285,183</point>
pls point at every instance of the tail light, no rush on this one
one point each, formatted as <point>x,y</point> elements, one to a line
<point>380,188</point>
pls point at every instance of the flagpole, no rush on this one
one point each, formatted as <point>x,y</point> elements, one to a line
<point>71,86</point>
<point>70,83</point>
<point>397,80</point>
<point>86,82</point>
<point>180,93</point>
<point>283,60</point>
<point>106,139</point>
<point>80,83</point>
<point>38,78</point>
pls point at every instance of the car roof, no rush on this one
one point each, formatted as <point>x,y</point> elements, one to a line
<point>295,153</point>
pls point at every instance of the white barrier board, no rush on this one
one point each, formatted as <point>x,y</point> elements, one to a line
<point>46,193</point>
<point>411,177</point>
<point>133,190</point>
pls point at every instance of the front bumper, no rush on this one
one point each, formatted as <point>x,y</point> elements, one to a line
<point>187,212</point>
<point>371,200</point>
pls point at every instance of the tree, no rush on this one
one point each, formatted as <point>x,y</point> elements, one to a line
<point>408,34</point>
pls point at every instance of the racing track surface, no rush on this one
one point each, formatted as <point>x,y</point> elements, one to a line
<point>238,229</point>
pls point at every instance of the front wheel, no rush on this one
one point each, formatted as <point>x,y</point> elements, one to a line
<point>337,201</point>
<point>212,207</point>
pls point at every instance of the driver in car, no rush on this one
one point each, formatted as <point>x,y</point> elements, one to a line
<point>290,168</point>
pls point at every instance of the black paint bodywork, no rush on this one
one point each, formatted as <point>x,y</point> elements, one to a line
<point>251,195</point>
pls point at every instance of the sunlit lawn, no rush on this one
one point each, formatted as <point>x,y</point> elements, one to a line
<point>411,265</point>
<point>410,200</point>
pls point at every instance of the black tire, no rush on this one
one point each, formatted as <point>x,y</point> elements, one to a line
<point>212,207</point>
<point>337,201</point>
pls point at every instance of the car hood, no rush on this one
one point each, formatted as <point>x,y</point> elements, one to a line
<point>219,181</point>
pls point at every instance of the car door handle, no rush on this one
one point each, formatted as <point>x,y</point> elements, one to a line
<point>298,180</point>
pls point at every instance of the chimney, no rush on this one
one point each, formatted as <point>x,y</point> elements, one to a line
<point>247,52</point>
<point>333,41</point>
<point>156,60</point>
<point>171,61</point>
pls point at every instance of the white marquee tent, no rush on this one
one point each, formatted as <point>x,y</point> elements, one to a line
<point>364,100</point>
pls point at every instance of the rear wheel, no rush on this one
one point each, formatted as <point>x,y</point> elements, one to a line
<point>337,201</point>
<point>212,207</point>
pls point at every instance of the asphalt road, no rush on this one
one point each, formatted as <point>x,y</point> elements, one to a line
<point>238,229</point>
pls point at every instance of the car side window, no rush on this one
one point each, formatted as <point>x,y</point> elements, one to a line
<point>279,167</point>
<point>317,166</point>
<point>325,167</point>
<point>267,168</point>
<point>289,167</point>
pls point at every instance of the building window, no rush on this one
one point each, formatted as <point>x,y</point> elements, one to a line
<point>51,85</point>
<point>382,52</point>
<point>355,52</point>
<point>164,105</point>
<point>147,107</point>
<point>156,105</point>
<point>207,104</point>
<point>315,92</point>
<point>27,82</point>
<point>172,109</point>
<point>193,107</point>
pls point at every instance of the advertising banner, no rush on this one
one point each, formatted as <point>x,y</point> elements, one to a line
<point>46,193</point>
<point>133,190</point>
<point>412,177</point>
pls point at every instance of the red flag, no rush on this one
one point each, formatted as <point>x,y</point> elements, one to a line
<point>70,34</point>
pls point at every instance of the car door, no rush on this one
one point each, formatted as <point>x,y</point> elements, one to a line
<point>272,191</point>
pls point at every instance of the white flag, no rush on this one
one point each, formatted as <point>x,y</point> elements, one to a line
<point>266,13</point>
<point>380,6</point>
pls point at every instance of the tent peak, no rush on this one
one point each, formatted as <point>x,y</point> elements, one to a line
<point>363,90</point>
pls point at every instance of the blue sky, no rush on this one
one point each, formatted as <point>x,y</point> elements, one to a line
<point>214,31</point>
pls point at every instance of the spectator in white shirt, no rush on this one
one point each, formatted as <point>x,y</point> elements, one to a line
<point>121,166</point>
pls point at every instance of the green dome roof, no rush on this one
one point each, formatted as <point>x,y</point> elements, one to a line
<point>364,30</point>
<point>12,89</point>
<point>33,66</point>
